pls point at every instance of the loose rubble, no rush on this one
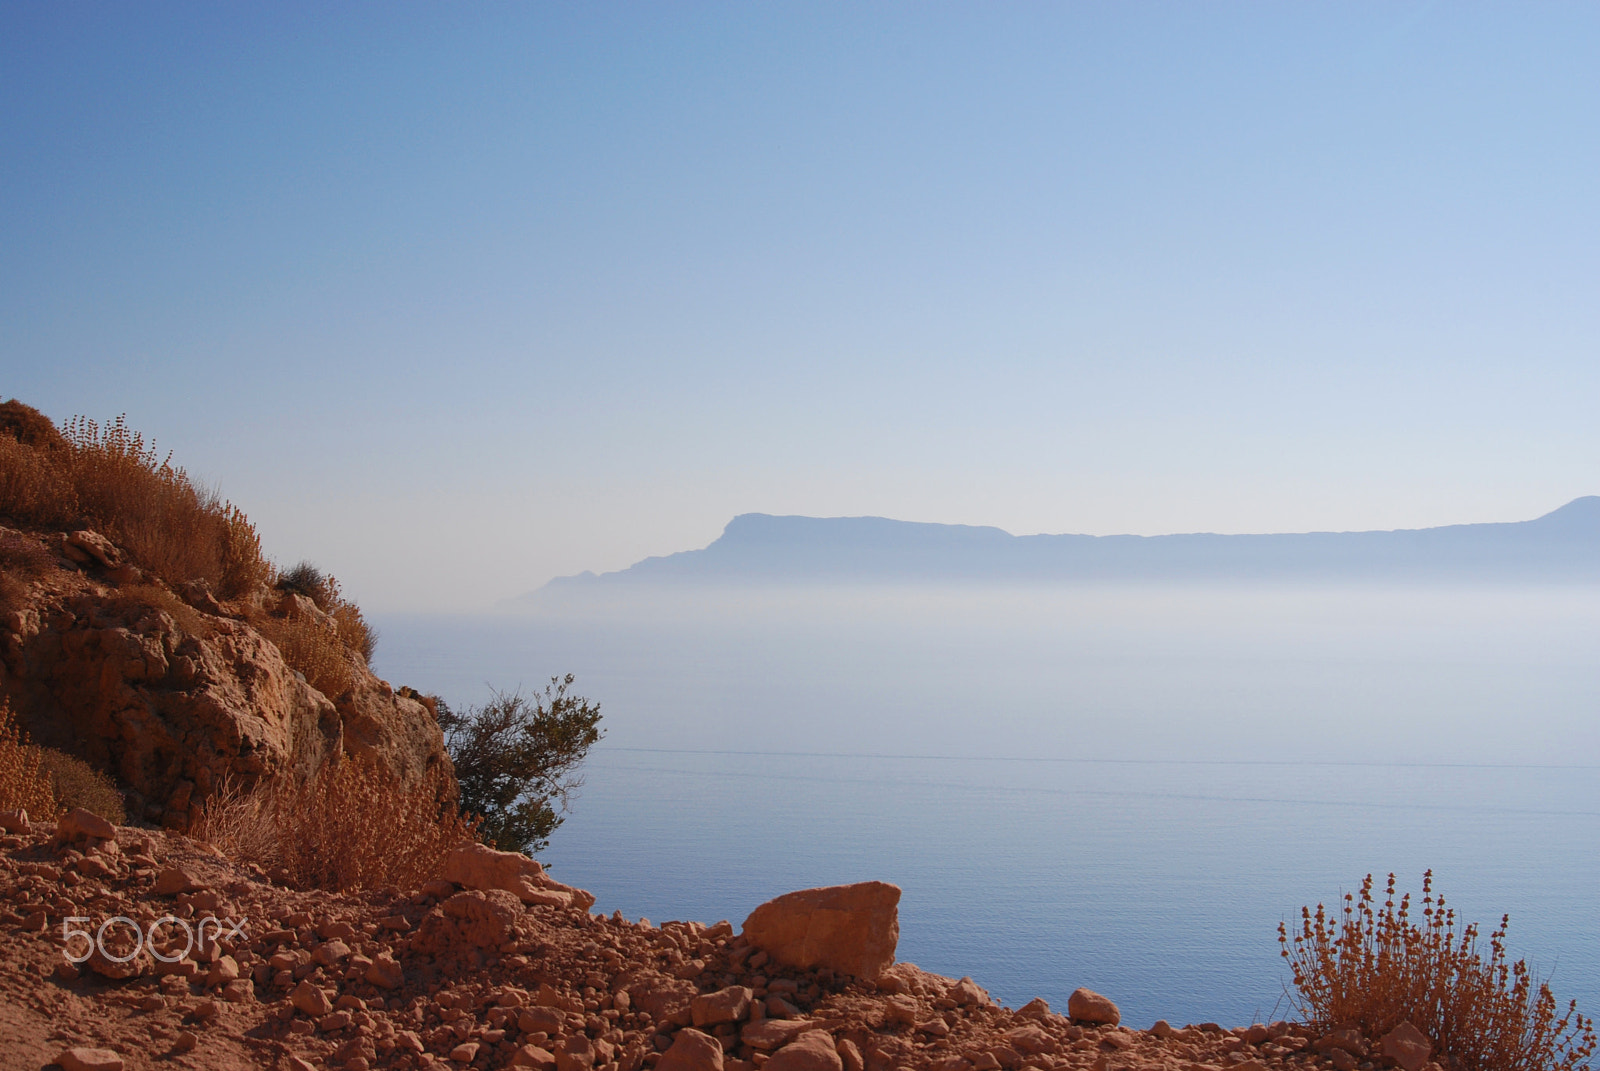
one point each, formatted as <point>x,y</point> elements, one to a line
<point>447,976</point>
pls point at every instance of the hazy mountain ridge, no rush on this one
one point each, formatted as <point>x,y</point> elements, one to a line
<point>759,548</point>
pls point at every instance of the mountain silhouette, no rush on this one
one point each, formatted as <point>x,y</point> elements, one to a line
<point>1563,545</point>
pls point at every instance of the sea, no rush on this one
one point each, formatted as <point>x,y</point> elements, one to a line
<point>1127,788</point>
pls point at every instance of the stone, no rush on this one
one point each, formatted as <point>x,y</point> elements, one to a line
<point>968,994</point>
<point>691,1050</point>
<point>385,972</point>
<point>77,824</point>
<point>901,1010</point>
<point>550,1020</point>
<point>85,546</point>
<point>15,822</point>
<point>1037,1008</point>
<point>311,1000</point>
<point>329,953</point>
<point>729,1005</point>
<point>812,1051</point>
<point>1087,1006</point>
<point>769,1034</point>
<point>465,1052</point>
<point>172,880</point>
<point>223,971</point>
<point>575,1052</point>
<point>82,1058</point>
<point>532,1056</point>
<point>1031,1038</point>
<point>849,929</point>
<point>850,1055</point>
<point>1407,1046</point>
<point>473,917</point>
<point>477,866</point>
<point>663,999</point>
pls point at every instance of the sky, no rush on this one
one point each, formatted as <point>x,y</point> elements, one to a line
<point>452,299</point>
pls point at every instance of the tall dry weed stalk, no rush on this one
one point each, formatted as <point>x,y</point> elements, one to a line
<point>1376,967</point>
<point>24,780</point>
<point>348,827</point>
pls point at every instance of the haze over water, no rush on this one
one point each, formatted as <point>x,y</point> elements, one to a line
<point>1122,787</point>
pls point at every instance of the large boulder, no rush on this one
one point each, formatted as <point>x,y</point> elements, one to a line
<point>850,929</point>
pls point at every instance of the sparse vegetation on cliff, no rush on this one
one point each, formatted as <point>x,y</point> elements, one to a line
<point>1374,967</point>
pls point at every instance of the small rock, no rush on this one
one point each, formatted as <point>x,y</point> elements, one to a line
<point>575,1053</point>
<point>465,1052</point>
<point>333,1021</point>
<point>850,1054</point>
<point>330,952</point>
<point>78,824</point>
<point>968,993</point>
<point>186,1041</point>
<point>224,970</point>
<point>1087,1006</point>
<point>15,821</point>
<point>935,1026</point>
<point>81,1058</point>
<point>692,1050</point>
<point>311,1000</point>
<point>730,1005</point>
<point>532,1056</point>
<point>811,1051</point>
<point>172,880</point>
<point>386,972</point>
<point>1037,1008</point>
<point>1407,1046</point>
<point>769,1034</point>
<point>551,1020</point>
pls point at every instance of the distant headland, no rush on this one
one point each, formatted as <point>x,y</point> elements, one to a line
<point>759,549</point>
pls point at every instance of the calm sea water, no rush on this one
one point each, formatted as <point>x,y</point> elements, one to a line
<point>1121,788</point>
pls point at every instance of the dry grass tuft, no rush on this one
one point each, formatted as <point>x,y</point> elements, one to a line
<point>349,827</point>
<point>1377,968</point>
<point>77,784</point>
<point>24,781</point>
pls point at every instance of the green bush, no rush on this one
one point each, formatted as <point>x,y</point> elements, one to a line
<point>516,761</point>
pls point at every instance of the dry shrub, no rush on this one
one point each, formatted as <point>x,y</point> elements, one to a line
<point>34,486</point>
<point>24,782</point>
<point>172,527</point>
<point>108,478</point>
<point>1377,968</point>
<point>311,647</point>
<point>77,784</point>
<point>21,559</point>
<point>29,427</point>
<point>349,827</point>
<point>358,637</point>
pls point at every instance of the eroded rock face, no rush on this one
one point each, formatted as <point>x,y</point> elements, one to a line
<point>852,929</point>
<point>176,695</point>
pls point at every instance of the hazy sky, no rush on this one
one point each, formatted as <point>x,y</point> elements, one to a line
<point>454,298</point>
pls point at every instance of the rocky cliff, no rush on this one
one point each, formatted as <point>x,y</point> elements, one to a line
<point>175,693</point>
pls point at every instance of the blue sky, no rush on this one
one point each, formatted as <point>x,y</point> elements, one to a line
<point>455,298</point>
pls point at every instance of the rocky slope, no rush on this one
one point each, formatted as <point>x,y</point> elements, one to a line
<point>175,693</point>
<point>495,966</point>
